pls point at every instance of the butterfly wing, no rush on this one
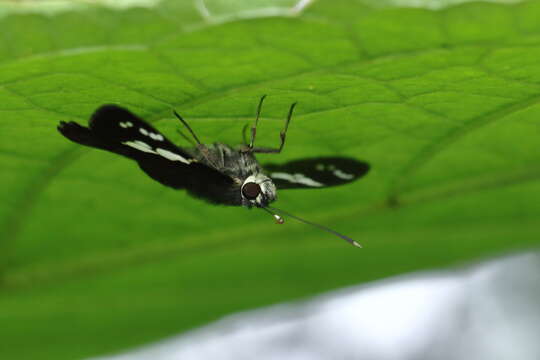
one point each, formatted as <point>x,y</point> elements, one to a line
<point>316,172</point>
<point>117,130</point>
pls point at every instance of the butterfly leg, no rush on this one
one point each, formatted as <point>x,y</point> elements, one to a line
<point>283,133</point>
<point>187,127</point>
<point>189,140</point>
<point>198,145</point>
<point>254,127</point>
<point>244,137</point>
<point>282,136</point>
<point>201,147</point>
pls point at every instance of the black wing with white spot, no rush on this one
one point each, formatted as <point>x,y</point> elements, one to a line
<point>115,129</point>
<point>316,172</point>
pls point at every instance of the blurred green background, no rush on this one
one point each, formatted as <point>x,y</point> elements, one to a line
<point>96,257</point>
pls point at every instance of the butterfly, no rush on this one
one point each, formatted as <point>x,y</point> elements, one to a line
<point>217,173</point>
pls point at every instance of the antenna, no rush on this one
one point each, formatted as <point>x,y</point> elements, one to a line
<point>281,221</point>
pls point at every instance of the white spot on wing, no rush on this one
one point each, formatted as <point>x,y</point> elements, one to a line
<point>169,155</point>
<point>152,135</point>
<point>337,173</point>
<point>126,124</point>
<point>342,175</point>
<point>139,145</point>
<point>297,179</point>
<point>157,137</point>
<point>172,156</point>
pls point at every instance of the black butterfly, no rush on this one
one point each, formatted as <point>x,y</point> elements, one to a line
<point>216,173</point>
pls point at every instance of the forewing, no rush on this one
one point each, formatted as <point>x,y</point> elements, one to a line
<point>316,172</point>
<point>117,130</point>
<point>122,130</point>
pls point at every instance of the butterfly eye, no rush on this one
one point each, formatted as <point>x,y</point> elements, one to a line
<point>251,190</point>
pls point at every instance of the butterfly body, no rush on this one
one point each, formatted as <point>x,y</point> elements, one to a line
<point>217,173</point>
<point>241,167</point>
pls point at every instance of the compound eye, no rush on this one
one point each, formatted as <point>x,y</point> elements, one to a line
<point>251,190</point>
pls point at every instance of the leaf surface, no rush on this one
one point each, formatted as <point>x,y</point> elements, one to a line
<point>96,257</point>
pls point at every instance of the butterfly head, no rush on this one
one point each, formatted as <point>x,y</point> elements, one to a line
<point>258,190</point>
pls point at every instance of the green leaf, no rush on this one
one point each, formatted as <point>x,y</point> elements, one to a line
<point>96,257</point>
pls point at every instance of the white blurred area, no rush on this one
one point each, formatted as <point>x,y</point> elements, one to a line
<point>488,311</point>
